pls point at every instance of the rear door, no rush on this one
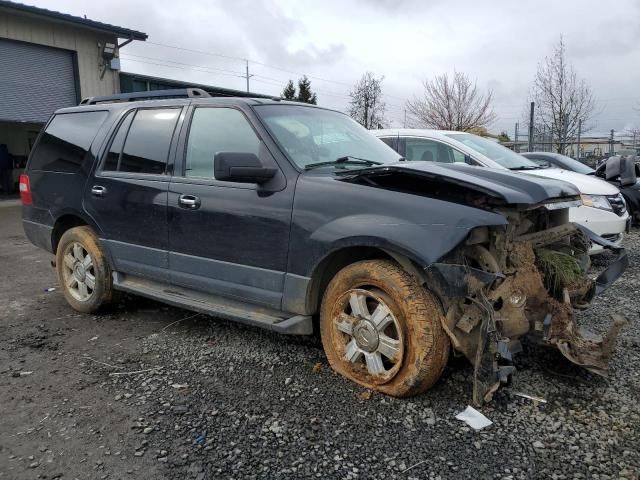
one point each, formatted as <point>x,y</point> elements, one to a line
<point>127,196</point>
<point>226,238</point>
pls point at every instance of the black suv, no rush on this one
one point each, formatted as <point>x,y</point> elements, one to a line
<point>288,216</point>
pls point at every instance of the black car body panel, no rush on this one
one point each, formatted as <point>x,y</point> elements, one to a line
<point>512,188</point>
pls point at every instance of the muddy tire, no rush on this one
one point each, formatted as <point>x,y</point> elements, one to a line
<point>83,271</point>
<point>382,329</point>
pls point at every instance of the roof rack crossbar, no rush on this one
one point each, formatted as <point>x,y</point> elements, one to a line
<point>147,95</point>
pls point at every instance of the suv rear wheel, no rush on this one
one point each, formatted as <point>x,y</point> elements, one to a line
<point>83,271</point>
<point>382,329</point>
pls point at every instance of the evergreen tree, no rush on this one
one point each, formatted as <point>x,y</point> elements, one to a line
<point>304,91</point>
<point>289,92</point>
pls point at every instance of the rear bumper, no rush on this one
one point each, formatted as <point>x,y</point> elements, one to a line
<point>38,234</point>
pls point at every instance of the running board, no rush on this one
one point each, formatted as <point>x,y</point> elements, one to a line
<point>215,306</point>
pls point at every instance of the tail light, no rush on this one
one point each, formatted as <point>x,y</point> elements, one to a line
<point>25,190</point>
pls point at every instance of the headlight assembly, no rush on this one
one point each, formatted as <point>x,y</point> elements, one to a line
<point>596,201</point>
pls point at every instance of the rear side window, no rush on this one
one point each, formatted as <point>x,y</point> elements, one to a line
<point>64,144</point>
<point>113,155</point>
<point>141,144</point>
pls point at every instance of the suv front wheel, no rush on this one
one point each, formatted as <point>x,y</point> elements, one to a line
<point>83,271</point>
<point>382,329</point>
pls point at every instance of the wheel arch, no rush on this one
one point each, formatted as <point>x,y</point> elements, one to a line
<point>341,257</point>
<point>66,221</point>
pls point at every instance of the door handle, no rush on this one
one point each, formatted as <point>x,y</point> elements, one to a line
<point>98,191</point>
<point>189,201</point>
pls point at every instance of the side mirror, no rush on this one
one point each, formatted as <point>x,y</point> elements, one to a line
<point>241,168</point>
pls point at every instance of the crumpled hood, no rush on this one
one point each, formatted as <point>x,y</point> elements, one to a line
<point>511,187</point>
<point>587,184</point>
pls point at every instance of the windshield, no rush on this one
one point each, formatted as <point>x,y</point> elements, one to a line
<point>313,135</point>
<point>574,165</point>
<point>494,151</point>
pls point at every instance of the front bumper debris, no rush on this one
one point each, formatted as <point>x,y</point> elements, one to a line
<point>488,312</point>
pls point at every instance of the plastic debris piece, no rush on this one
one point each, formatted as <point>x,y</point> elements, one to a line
<point>473,418</point>
<point>179,385</point>
<point>50,289</point>
<point>93,339</point>
<point>201,440</point>
<point>529,397</point>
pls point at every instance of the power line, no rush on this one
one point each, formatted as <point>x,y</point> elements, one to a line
<point>206,69</point>
<point>126,55</point>
<point>179,67</point>
<point>232,57</point>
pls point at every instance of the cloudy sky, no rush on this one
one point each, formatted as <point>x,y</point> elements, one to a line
<point>498,43</point>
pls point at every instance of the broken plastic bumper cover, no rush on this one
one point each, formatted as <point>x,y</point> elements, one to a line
<point>582,347</point>
<point>492,350</point>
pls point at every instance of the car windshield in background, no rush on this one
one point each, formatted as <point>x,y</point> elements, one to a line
<point>573,165</point>
<point>314,136</point>
<point>494,151</point>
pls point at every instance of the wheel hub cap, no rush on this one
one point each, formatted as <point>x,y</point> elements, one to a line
<point>79,272</point>
<point>369,335</point>
<point>366,336</point>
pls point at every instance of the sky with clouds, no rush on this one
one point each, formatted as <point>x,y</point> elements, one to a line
<point>497,43</point>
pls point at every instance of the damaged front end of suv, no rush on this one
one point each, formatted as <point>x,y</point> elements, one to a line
<point>522,279</point>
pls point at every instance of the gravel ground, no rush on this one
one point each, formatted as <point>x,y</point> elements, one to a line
<point>213,399</point>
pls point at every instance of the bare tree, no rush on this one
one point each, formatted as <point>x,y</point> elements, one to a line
<point>562,100</point>
<point>366,106</point>
<point>451,104</point>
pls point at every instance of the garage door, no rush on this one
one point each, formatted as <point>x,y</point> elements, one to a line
<point>34,81</point>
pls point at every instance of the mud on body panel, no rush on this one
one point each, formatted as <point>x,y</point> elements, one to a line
<point>522,280</point>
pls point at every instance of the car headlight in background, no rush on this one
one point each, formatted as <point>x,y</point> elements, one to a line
<point>596,201</point>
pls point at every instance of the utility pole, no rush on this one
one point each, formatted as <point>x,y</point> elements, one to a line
<point>530,146</point>
<point>247,76</point>
<point>579,132</point>
<point>405,119</point>
<point>515,140</point>
<point>611,143</point>
<point>544,138</point>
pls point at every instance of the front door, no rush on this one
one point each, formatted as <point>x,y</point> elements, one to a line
<point>230,239</point>
<point>127,196</point>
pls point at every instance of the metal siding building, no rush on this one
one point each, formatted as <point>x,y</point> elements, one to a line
<point>50,60</point>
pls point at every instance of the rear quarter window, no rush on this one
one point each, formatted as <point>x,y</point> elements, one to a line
<point>65,142</point>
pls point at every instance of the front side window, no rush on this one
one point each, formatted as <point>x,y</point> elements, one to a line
<point>142,142</point>
<point>66,140</point>
<point>426,150</point>
<point>215,130</point>
<point>310,135</point>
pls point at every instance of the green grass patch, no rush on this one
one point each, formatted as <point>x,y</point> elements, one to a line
<point>560,270</point>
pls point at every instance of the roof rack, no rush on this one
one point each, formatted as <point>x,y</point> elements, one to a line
<point>147,95</point>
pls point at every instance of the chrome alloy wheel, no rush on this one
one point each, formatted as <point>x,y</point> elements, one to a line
<point>79,273</point>
<point>371,336</point>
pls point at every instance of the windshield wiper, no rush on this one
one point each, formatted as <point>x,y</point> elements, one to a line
<point>347,159</point>
<point>526,167</point>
